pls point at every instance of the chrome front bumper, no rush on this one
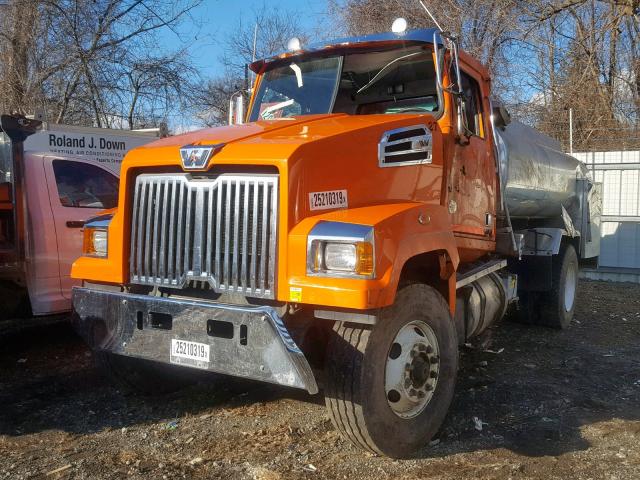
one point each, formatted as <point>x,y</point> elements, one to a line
<point>254,343</point>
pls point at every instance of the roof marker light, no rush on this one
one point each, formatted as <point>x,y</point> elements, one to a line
<point>294,44</point>
<point>399,25</point>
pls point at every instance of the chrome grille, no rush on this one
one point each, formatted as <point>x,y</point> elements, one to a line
<point>220,231</point>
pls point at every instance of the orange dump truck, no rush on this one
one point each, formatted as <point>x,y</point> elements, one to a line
<point>372,214</point>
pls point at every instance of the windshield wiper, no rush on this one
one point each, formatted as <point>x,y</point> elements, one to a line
<point>267,113</point>
<point>377,76</point>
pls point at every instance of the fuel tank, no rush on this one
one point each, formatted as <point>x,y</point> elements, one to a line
<point>538,178</point>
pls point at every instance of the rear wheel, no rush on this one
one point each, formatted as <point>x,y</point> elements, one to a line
<point>388,387</point>
<point>557,306</point>
<point>553,308</point>
<point>143,376</point>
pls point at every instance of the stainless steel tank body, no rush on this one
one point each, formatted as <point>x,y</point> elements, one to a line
<point>539,179</point>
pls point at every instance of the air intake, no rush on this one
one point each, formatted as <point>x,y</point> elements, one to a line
<point>405,146</point>
<point>217,234</point>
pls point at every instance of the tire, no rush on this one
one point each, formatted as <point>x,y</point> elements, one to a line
<point>357,394</point>
<point>135,375</point>
<point>15,302</point>
<point>528,309</point>
<point>549,308</point>
<point>557,306</point>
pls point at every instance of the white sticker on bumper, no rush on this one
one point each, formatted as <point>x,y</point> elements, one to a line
<point>192,354</point>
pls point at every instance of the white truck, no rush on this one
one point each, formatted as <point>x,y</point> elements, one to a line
<point>52,179</point>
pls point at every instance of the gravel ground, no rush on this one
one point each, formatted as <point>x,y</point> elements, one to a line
<point>552,405</point>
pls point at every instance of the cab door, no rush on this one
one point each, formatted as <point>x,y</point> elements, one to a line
<point>78,191</point>
<point>473,178</point>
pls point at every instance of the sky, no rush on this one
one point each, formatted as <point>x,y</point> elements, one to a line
<point>218,18</point>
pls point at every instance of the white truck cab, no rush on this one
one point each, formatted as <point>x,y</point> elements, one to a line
<point>52,179</point>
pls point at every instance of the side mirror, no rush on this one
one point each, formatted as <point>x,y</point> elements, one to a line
<point>501,116</point>
<point>236,108</point>
<point>455,85</point>
<point>449,43</point>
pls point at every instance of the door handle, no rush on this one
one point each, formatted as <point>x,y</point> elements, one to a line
<point>75,223</point>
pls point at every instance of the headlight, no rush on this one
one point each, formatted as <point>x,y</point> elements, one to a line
<point>96,236</point>
<point>340,256</point>
<point>341,250</point>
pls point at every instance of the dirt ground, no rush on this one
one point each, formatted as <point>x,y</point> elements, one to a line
<point>553,405</point>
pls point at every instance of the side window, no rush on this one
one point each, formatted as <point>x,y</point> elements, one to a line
<point>82,185</point>
<point>472,105</point>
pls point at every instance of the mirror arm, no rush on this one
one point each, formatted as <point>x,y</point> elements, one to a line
<point>231,110</point>
<point>457,91</point>
<point>236,108</point>
<point>453,47</point>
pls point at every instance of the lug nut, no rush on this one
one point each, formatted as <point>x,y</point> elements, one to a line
<point>421,394</point>
<point>413,392</point>
<point>433,374</point>
<point>422,347</point>
<point>429,349</point>
<point>434,359</point>
<point>428,387</point>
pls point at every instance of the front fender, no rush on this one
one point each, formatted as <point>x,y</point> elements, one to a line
<point>402,231</point>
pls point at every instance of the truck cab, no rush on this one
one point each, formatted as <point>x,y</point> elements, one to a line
<point>46,195</point>
<point>351,232</point>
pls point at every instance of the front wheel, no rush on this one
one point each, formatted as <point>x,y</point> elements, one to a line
<point>388,387</point>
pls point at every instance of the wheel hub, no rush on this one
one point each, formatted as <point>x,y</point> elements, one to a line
<point>412,368</point>
<point>419,371</point>
<point>570,287</point>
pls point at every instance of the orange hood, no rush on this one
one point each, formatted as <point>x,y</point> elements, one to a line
<point>315,153</point>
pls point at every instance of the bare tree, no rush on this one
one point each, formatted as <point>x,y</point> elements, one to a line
<point>88,61</point>
<point>264,35</point>
<point>546,56</point>
<point>484,27</point>
<point>214,99</point>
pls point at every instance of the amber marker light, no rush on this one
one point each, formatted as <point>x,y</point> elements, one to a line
<point>95,237</point>
<point>94,242</point>
<point>364,259</point>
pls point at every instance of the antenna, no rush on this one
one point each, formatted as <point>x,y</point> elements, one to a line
<point>433,19</point>
<point>253,55</point>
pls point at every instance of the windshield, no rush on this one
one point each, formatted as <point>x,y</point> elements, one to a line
<point>398,80</point>
<point>297,89</point>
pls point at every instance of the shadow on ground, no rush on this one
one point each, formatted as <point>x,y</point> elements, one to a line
<point>532,398</point>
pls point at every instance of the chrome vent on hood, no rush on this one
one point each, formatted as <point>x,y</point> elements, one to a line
<point>405,146</point>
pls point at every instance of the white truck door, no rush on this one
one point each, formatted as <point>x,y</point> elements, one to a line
<point>41,252</point>
<point>79,190</point>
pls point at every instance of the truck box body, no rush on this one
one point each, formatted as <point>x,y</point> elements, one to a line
<point>106,147</point>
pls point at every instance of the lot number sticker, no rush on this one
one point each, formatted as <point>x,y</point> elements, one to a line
<point>328,200</point>
<point>193,354</point>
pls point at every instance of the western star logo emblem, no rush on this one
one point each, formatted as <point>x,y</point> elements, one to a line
<point>197,157</point>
